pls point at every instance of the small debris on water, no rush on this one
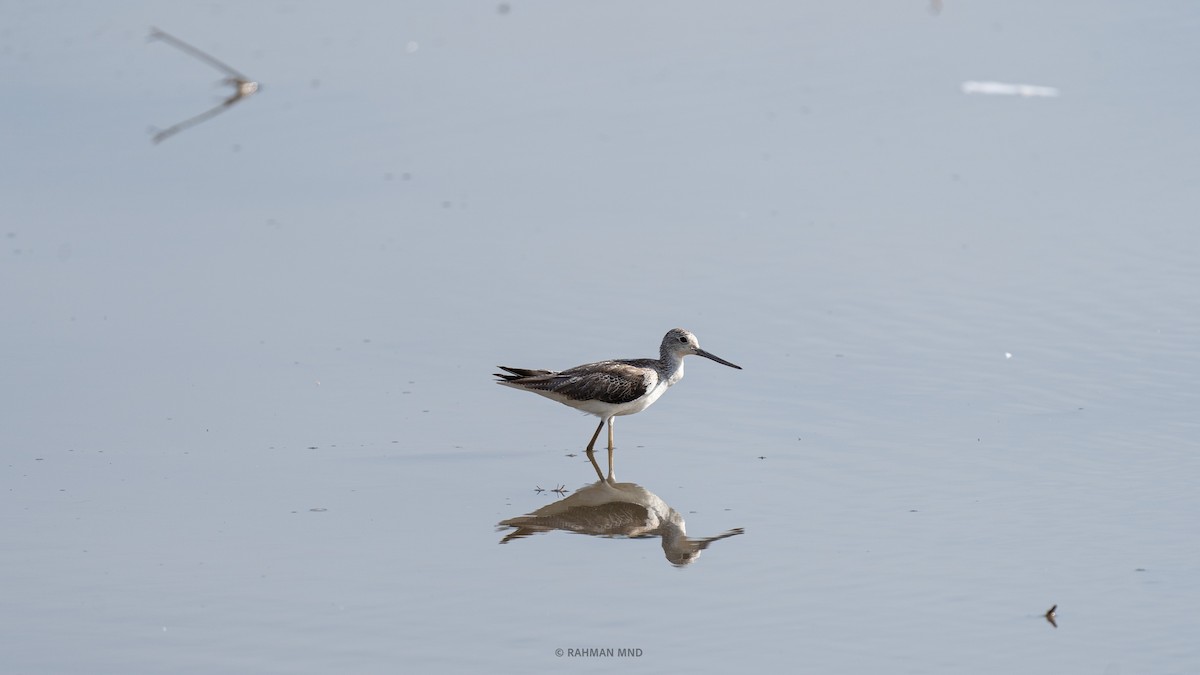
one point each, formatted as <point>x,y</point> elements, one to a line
<point>1009,89</point>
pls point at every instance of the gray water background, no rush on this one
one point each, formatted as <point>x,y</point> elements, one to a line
<point>247,423</point>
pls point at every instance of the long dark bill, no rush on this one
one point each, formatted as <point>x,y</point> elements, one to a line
<point>701,352</point>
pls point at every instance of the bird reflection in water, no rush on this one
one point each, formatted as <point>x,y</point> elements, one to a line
<point>606,509</point>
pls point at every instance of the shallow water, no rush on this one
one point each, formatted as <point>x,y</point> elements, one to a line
<point>248,419</point>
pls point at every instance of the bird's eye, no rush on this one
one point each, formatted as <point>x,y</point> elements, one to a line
<point>683,338</point>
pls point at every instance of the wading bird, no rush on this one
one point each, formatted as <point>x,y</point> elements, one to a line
<point>609,389</point>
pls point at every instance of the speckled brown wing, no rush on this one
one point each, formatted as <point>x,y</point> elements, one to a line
<point>606,381</point>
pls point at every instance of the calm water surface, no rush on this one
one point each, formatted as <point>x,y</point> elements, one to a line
<point>249,423</point>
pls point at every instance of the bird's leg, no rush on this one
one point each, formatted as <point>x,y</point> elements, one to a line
<point>599,473</point>
<point>596,435</point>
<point>611,477</point>
<point>592,455</point>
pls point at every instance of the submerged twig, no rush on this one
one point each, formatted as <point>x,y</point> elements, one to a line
<point>243,86</point>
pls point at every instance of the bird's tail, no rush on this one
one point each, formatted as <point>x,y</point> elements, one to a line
<point>515,374</point>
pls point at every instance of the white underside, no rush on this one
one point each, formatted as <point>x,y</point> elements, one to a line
<point>606,410</point>
<point>655,388</point>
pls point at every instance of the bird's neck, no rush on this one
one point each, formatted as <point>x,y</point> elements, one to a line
<point>672,366</point>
